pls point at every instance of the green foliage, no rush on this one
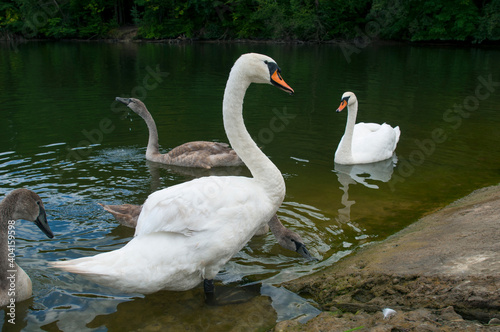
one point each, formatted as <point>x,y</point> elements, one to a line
<point>418,20</point>
<point>442,20</point>
<point>489,22</point>
<point>92,18</point>
<point>9,13</point>
<point>348,15</point>
<point>10,17</point>
<point>267,20</point>
<point>355,329</point>
<point>57,29</point>
<point>162,19</point>
<point>314,20</point>
<point>136,15</point>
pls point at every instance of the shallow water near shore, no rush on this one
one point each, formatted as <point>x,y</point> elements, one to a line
<point>64,137</point>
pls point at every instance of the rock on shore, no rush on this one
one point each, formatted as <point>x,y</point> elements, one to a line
<point>441,273</point>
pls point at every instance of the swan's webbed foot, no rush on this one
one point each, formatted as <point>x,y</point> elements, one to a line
<point>209,288</point>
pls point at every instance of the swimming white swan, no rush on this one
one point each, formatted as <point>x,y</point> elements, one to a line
<point>193,154</point>
<point>364,142</point>
<point>186,233</point>
<point>18,204</point>
<point>128,214</point>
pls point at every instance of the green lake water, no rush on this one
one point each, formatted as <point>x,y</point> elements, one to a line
<point>63,136</point>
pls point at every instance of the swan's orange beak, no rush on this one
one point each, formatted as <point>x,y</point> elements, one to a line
<point>280,83</point>
<point>343,104</point>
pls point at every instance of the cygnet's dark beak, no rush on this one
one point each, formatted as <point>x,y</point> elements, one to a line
<point>302,250</point>
<point>125,101</point>
<point>41,222</point>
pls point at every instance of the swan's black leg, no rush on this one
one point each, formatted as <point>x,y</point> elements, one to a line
<point>209,288</point>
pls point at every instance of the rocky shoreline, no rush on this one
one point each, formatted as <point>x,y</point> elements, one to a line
<point>441,273</point>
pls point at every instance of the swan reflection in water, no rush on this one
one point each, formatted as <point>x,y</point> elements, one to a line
<point>361,173</point>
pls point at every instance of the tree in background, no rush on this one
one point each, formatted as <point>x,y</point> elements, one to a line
<point>311,20</point>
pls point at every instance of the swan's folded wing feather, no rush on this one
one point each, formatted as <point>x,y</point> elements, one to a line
<point>196,146</point>
<point>364,128</point>
<point>373,142</point>
<point>199,204</point>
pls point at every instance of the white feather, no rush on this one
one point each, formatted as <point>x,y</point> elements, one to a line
<point>388,312</point>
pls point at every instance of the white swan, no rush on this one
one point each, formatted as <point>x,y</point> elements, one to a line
<point>364,142</point>
<point>201,154</point>
<point>19,204</point>
<point>186,233</point>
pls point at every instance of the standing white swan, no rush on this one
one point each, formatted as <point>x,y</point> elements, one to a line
<point>15,284</point>
<point>187,232</point>
<point>364,143</point>
<point>201,154</point>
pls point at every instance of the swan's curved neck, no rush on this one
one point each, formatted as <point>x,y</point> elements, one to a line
<point>262,169</point>
<point>277,227</point>
<point>153,149</point>
<point>346,148</point>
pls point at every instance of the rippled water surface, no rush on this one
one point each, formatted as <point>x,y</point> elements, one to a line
<point>63,136</point>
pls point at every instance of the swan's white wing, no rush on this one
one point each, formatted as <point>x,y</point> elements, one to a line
<point>374,142</point>
<point>203,203</point>
<point>363,129</point>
